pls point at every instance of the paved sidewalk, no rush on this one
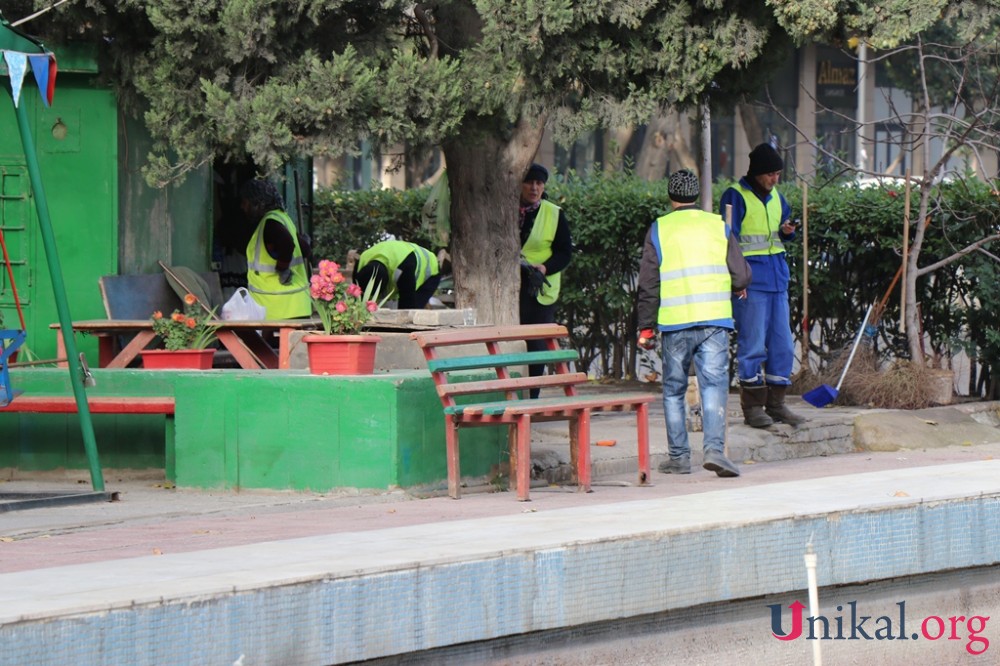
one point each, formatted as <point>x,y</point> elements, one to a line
<point>336,577</point>
<point>151,518</point>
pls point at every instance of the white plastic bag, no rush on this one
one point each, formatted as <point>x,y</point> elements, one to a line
<point>242,307</point>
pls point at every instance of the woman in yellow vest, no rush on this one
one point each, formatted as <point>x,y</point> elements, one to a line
<point>276,270</point>
<point>691,266</point>
<point>399,268</point>
<point>546,249</point>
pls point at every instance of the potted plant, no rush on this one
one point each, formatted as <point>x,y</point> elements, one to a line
<point>185,335</point>
<point>344,309</point>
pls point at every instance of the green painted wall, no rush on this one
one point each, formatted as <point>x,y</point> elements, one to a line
<point>172,224</point>
<point>282,430</point>
<point>298,431</point>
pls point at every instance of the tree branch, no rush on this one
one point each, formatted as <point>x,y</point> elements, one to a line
<point>929,268</point>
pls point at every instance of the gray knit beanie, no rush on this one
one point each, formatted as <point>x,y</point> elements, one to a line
<point>683,186</point>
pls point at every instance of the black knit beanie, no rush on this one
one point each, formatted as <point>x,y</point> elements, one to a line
<point>764,159</point>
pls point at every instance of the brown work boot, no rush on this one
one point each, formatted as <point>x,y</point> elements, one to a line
<point>752,400</point>
<point>776,408</point>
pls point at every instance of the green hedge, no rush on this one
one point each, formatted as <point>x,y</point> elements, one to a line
<point>855,242</point>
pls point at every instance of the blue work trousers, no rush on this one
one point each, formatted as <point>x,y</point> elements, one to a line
<point>709,346</point>
<point>764,346</point>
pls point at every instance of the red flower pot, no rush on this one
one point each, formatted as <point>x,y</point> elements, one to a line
<point>341,354</point>
<point>180,359</point>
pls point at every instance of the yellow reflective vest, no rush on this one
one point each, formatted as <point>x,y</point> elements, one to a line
<point>759,230</point>
<point>392,253</point>
<point>282,301</point>
<point>538,248</point>
<point>695,285</point>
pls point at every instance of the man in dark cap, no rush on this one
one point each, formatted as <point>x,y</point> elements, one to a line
<point>546,249</point>
<point>691,266</point>
<point>761,220</point>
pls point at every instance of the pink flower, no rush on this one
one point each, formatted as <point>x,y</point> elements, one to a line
<point>354,290</point>
<point>372,306</point>
<point>341,306</point>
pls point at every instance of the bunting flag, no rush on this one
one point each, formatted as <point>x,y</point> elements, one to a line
<point>17,65</point>
<point>19,51</point>
<point>44,68</point>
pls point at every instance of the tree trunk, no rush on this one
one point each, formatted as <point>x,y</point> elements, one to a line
<point>485,171</point>
<point>615,144</point>
<point>751,124</point>
<point>664,146</point>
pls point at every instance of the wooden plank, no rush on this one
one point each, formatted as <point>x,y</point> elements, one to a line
<point>474,334</point>
<point>611,402</point>
<point>40,404</point>
<point>513,384</point>
<point>501,360</point>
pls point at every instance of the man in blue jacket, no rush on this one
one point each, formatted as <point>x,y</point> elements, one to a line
<point>761,220</point>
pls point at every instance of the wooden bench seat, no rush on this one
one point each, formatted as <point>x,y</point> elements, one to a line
<point>516,410</point>
<point>66,404</point>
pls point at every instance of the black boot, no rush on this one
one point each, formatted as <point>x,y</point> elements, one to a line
<point>776,408</point>
<point>752,400</point>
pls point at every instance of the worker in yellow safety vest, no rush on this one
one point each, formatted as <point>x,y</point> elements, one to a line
<point>401,270</point>
<point>546,249</point>
<point>690,268</point>
<point>276,269</point>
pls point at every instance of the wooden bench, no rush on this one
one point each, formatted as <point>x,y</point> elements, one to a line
<point>66,404</point>
<point>518,411</point>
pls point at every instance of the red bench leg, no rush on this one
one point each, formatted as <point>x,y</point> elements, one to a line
<point>454,473</point>
<point>583,452</point>
<point>642,427</point>
<point>523,460</point>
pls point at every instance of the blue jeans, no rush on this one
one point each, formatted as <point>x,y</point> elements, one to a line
<point>765,349</point>
<point>709,346</point>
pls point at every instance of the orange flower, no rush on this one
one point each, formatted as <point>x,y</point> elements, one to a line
<point>157,315</point>
<point>190,299</point>
<point>177,316</point>
<point>190,323</point>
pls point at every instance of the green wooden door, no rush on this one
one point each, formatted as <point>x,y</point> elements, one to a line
<point>76,143</point>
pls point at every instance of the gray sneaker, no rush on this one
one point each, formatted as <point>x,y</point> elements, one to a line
<point>680,465</point>
<point>716,461</point>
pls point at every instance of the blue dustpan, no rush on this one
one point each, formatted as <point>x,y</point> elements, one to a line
<point>823,395</point>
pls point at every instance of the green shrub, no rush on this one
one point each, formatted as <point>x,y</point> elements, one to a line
<point>855,245</point>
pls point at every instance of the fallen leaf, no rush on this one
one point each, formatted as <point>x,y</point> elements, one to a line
<point>391,511</point>
<point>6,539</point>
<point>157,551</point>
<point>749,462</point>
<point>901,493</point>
<point>529,510</point>
<point>929,422</point>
